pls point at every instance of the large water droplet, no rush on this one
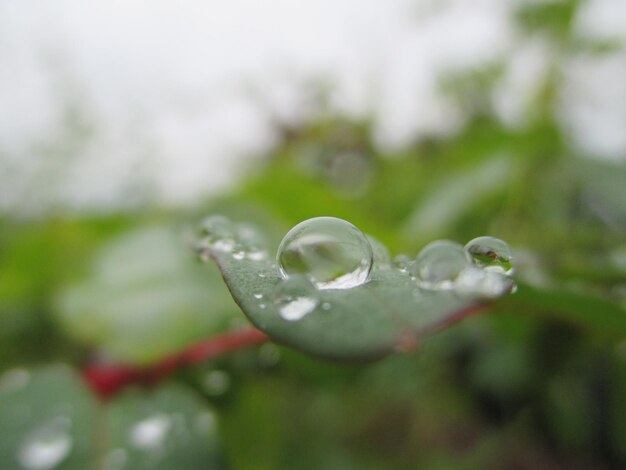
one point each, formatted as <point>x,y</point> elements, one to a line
<point>295,298</point>
<point>491,254</point>
<point>331,252</point>
<point>47,446</point>
<point>438,265</point>
<point>150,433</point>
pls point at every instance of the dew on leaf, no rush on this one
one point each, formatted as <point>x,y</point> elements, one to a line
<point>256,255</point>
<point>402,262</point>
<point>47,446</point>
<point>218,233</point>
<point>295,298</point>
<point>491,254</point>
<point>331,252</point>
<point>438,265</point>
<point>476,282</point>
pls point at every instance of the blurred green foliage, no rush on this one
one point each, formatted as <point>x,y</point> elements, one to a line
<point>539,382</point>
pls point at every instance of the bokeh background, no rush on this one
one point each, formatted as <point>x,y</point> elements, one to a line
<point>124,123</point>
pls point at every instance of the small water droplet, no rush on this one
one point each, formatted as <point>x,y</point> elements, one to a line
<point>225,245</point>
<point>258,296</point>
<point>262,275</point>
<point>256,255</point>
<point>490,254</point>
<point>295,298</point>
<point>402,262</point>
<point>150,433</point>
<point>326,306</point>
<point>438,265</point>
<point>239,255</point>
<point>331,252</point>
<point>216,382</point>
<point>218,233</point>
<point>476,282</point>
<point>262,306</point>
<point>47,446</point>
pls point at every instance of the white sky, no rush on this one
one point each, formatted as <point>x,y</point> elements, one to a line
<point>179,96</point>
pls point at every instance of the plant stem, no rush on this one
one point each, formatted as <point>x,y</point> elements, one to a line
<point>107,380</point>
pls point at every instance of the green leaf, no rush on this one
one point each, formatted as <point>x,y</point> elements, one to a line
<point>145,298</point>
<point>50,420</point>
<point>368,321</point>
<point>584,309</point>
<point>47,420</point>
<point>169,428</point>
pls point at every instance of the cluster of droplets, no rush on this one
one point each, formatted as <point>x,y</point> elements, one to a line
<point>327,253</point>
<point>220,234</point>
<point>480,269</point>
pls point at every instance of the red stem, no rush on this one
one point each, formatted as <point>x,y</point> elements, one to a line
<point>108,379</point>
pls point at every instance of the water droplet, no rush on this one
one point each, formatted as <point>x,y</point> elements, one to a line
<point>402,262</point>
<point>262,275</point>
<point>256,255</point>
<point>216,382</point>
<point>258,296</point>
<point>47,446</point>
<point>476,282</point>
<point>438,265</point>
<point>295,298</point>
<point>490,254</point>
<point>218,233</point>
<point>150,433</point>
<point>239,255</point>
<point>262,306</point>
<point>331,252</point>
<point>326,306</point>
